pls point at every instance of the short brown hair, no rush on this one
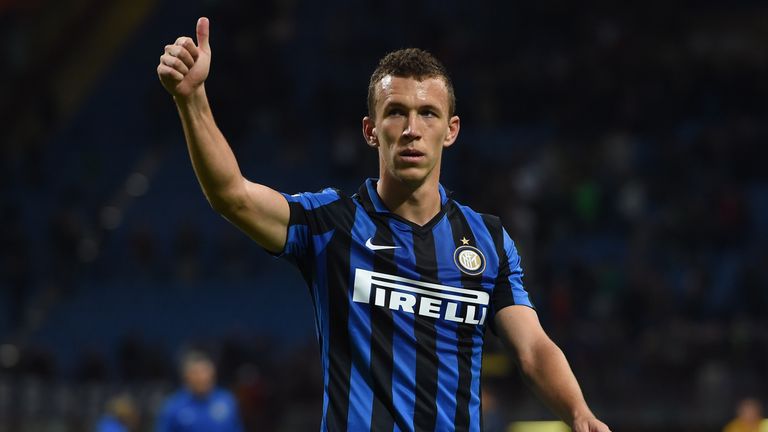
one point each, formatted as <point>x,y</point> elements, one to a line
<point>410,63</point>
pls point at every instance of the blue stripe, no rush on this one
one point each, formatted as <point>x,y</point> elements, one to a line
<point>516,273</point>
<point>310,200</point>
<point>296,241</point>
<point>447,350</point>
<point>320,288</point>
<point>360,391</point>
<point>320,292</point>
<point>370,184</point>
<point>443,195</point>
<point>474,402</point>
<point>297,238</point>
<point>404,339</point>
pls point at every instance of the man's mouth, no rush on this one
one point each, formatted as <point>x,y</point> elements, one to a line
<point>411,155</point>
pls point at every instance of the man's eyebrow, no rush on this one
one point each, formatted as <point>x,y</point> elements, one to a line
<point>396,104</point>
<point>388,103</point>
<point>431,108</point>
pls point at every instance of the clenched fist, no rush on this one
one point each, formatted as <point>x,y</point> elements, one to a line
<point>184,66</point>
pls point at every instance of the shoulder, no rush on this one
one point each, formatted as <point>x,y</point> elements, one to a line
<point>321,211</point>
<point>491,222</point>
<point>312,200</point>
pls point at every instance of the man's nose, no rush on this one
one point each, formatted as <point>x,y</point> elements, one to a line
<point>413,128</point>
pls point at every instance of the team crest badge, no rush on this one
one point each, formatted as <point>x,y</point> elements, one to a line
<point>469,260</point>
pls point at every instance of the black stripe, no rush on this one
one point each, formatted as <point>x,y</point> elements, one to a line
<point>365,199</point>
<point>502,291</point>
<point>382,331</point>
<point>462,231</point>
<point>297,214</point>
<point>425,415</point>
<point>297,217</point>
<point>339,351</point>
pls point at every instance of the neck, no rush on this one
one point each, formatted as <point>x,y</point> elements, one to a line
<point>415,203</point>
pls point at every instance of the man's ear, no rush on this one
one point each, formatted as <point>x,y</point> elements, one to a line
<point>454,124</point>
<point>369,132</point>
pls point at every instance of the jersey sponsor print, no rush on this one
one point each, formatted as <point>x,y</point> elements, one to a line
<point>401,309</point>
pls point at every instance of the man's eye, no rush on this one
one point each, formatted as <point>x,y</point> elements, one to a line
<point>396,112</point>
<point>428,114</point>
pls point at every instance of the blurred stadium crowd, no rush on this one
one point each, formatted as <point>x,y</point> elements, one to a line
<point>622,147</point>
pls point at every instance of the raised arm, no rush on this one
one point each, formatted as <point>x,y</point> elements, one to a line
<point>259,211</point>
<point>545,368</point>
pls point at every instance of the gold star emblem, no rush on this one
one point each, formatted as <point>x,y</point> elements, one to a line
<point>464,241</point>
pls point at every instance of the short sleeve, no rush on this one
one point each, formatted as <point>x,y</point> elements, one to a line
<point>509,288</point>
<point>304,222</point>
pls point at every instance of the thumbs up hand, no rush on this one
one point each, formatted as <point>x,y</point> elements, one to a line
<point>184,66</point>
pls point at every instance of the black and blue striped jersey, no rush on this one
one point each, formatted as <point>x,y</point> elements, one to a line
<point>401,309</point>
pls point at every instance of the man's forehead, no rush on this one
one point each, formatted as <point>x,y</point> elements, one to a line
<point>198,364</point>
<point>427,88</point>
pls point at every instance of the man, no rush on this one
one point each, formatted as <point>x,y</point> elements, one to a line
<point>403,278</point>
<point>120,415</point>
<point>199,406</point>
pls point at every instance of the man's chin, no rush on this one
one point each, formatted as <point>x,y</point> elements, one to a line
<point>411,176</point>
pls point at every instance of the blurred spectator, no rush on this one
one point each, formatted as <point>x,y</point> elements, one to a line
<point>121,415</point>
<point>749,416</point>
<point>200,406</point>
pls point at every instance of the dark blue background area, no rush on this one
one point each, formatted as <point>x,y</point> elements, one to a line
<point>622,146</point>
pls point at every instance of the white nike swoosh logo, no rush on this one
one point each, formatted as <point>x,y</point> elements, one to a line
<point>374,247</point>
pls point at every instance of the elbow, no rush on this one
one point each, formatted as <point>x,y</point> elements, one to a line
<point>527,364</point>
<point>218,205</point>
<point>225,205</point>
<point>226,200</point>
<point>533,359</point>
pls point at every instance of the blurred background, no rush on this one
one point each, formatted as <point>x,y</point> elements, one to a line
<point>623,148</point>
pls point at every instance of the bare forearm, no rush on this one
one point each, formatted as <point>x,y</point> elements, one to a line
<point>551,377</point>
<point>212,158</point>
<point>259,211</point>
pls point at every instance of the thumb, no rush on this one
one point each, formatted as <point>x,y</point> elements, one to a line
<point>203,30</point>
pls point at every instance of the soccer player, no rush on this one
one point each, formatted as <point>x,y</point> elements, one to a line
<point>200,406</point>
<point>403,278</point>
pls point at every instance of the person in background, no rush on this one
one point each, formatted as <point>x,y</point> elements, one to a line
<point>200,406</point>
<point>120,415</point>
<point>749,417</point>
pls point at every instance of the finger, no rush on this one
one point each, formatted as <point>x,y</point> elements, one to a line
<point>190,46</point>
<point>181,53</point>
<point>203,31</point>
<point>174,62</point>
<point>165,72</point>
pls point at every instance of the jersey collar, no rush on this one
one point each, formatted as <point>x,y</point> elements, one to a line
<point>372,201</point>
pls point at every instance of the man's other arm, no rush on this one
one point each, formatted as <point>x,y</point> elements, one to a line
<point>545,367</point>
<point>259,211</point>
